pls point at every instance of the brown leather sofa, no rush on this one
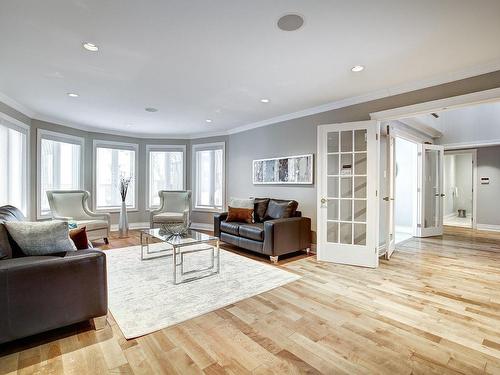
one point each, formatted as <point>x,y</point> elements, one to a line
<point>278,229</point>
<point>40,293</point>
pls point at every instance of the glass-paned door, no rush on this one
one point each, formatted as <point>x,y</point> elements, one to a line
<point>431,159</point>
<point>347,201</point>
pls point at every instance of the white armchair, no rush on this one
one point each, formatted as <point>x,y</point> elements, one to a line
<point>72,205</point>
<point>175,207</point>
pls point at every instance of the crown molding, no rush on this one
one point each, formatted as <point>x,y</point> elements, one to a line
<point>379,94</point>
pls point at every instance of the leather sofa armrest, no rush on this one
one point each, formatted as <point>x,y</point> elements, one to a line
<point>218,218</point>
<point>42,293</point>
<point>282,236</point>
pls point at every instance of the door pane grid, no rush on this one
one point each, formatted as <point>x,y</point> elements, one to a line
<point>346,187</point>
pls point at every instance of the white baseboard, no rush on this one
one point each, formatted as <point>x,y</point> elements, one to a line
<point>449,216</point>
<point>202,226</point>
<point>114,227</point>
<point>488,227</point>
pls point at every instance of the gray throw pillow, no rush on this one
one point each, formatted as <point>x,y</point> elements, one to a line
<point>41,238</point>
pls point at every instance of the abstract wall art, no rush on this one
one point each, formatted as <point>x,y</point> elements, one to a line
<point>284,170</point>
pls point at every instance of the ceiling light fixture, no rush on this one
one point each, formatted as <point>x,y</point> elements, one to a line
<point>357,68</point>
<point>290,22</point>
<point>73,95</point>
<point>208,121</point>
<point>264,100</point>
<point>90,47</point>
<point>151,109</point>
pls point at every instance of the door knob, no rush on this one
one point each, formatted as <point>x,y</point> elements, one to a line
<point>443,195</point>
<point>386,199</point>
<point>323,200</point>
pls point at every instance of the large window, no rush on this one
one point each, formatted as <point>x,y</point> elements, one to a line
<point>113,161</point>
<point>60,165</point>
<point>208,176</point>
<point>166,170</point>
<point>13,166</point>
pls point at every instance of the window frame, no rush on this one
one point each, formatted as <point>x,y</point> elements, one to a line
<point>21,127</point>
<point>57,137</point>
<point>117,146</point>
<point>204,147</point>
<point>165,148</point>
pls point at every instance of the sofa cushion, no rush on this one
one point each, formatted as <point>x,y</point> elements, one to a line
<point>281,209</point>
<point>260,208</point>
<point>252,231</point>
<point>169,217</point>
<point>41,238</point>
<point>231,227</point>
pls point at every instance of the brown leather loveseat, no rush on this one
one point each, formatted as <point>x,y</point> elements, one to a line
<point>278,229</point>
<point>40,293</point>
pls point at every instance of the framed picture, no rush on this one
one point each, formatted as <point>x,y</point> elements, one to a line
<point>284,170</point>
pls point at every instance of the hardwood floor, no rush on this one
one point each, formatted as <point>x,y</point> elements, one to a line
<point>434,308</point>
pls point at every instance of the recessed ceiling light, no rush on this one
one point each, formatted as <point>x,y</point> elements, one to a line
<point>358,68</point>
<point>90,47</point>
<point>150,109</point>
<point>208,120</point>
<point>73,95</point>
<point>264,100</point>
<point>290,22</point>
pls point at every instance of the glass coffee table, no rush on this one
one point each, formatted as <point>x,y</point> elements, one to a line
<point>179,248</point>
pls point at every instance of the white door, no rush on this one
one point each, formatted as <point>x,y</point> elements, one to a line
<point>431,197</point>
<point>347,193</point>
<point>389,198</point>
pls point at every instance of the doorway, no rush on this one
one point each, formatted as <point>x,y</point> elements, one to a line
<point>459,187</point>
<point>405,190</point>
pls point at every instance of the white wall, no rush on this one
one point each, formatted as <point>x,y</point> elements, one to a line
<point>449,184</point>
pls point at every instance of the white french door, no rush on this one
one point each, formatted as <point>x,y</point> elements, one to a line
<point>431,197</point>
<point>389,198</point>
<point>348,164</point>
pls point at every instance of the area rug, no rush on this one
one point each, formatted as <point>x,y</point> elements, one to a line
<point>143,298</point>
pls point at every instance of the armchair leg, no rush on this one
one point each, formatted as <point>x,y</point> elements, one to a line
<point>274,259</point>
<point>98,323</point>
<point>106,241</point>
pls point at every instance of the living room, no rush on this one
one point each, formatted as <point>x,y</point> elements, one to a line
<point>209,188</point>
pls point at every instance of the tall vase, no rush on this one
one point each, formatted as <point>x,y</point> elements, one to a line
<point>123,223</point>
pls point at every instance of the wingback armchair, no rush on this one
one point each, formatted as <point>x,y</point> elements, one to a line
<point>175,207</point>
<point>72,205</point>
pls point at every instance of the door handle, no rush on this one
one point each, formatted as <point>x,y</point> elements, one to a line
<point>387,199</point>
<point>323,200</point>
<point>443,195</point>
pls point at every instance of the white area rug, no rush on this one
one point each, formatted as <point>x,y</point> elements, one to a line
<point>143,298</point>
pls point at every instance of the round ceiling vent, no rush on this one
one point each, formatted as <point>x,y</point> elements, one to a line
<point>290,22</point>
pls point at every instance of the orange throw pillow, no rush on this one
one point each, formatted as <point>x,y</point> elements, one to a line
<point>79,238</point>
<point>242,215</point>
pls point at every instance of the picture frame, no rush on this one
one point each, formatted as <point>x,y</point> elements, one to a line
<point>289,170</point>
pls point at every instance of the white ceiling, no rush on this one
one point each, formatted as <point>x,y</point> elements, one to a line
<point>216,59</point>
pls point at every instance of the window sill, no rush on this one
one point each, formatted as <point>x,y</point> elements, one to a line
<point>113,210</point>
<point>208,210</point>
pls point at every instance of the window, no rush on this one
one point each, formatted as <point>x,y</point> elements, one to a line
<point>209,176</point>
<point>112,161</point>
<point>166,170</point>
<point>60,165</point>
<point>13,166</point>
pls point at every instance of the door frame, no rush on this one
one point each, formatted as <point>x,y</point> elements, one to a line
<point>473,153</point>
<point>373,218</point>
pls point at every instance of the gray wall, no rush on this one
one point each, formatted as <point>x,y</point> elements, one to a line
<point>488,196</point>
<point>463,181</point>
<point>449,184</point>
